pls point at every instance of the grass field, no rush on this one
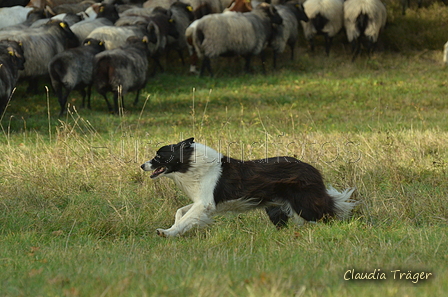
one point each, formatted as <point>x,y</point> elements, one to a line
<point>78,216</point>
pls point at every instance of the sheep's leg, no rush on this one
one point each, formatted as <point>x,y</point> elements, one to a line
<point>116,98</point>
<point>311,42</point>
<point>181,56</point>
<point>109,107</point>
<point>206,63</point>
<point>357,48</point>
<point>136,97</point>
<point>291,45</point>
<point>275,59</point>
<point>248,59</point>
<point>328,42</point>
<point>60,95</point>
<point>89,93</point>
<point>83,94</point>
<point>157,65</point>
<point>263,61</point>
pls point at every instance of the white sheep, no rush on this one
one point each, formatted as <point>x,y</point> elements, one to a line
<point>363,21</point>
<point>287,33</point>
<point>326,18</point>
<point>232,34</point>
<point>10,16</point>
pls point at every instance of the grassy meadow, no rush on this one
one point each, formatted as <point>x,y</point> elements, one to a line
<point>78,215</point>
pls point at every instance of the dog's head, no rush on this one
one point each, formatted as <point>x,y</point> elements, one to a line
<point>171,158</point>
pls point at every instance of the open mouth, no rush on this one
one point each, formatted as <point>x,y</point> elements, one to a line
<point>158,171</point>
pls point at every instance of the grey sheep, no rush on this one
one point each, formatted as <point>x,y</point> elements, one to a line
<point>288,32</point>
<point>40,45</point>
<point>73,69</point>
<point>326,18</point>
<point>114,36</point>
<point>233,33</point>
<point>107,16</point>
<point>363,21</point>
<point>122,70</point>
<point>11,61</point>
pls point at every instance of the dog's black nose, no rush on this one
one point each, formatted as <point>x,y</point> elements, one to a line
<point>143,166</point>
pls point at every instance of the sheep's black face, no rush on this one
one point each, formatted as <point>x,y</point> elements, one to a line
<point>275,16</point>
<point>271,13</point>
<point>171,158</point>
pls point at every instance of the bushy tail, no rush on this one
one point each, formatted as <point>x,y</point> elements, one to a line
<point>342,203</point>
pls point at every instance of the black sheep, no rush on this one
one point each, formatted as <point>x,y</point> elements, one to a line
<point>73,69</point>
<point>11,61</point>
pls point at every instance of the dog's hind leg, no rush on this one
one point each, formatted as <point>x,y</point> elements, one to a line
<point>277,216</point>
<point>193,215</point>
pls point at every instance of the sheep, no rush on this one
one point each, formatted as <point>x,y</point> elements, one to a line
<point>11,61</point>
<point>288,32</point>
<point>325,17</point>
<point>10,16</point>
<point>72,7</point>
<point>114,36</point>
<point>73,69</point>
<point>40,45</point>
<point>107,16</point>
<point>233,33</point>
<point>183,16</point>
<point>32,16</point>
<point>445,54</point>
<point>364,19</point>
<point>161,27</point>
<point>122,70</point>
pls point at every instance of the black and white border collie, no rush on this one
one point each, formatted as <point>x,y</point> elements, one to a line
<point>284,186</point>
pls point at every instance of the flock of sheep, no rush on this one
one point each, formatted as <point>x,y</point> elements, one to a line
<point>107,45</point>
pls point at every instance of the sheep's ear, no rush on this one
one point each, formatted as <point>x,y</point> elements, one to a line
<point>189,8</point>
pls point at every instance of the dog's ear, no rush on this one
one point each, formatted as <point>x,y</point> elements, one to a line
<point>188,142</point>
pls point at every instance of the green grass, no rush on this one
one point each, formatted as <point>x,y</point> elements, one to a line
<point>78,216</point>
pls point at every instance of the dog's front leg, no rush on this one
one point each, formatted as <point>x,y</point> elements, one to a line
<point>196,215</point>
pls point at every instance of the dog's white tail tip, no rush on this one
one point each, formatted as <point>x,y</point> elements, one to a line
<point>342,202</point>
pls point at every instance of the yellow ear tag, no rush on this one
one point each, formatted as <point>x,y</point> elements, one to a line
<point>11,53</point>
<point>189,8</point>
<point>101,8</point>
<point>145,39</point>
<point>101,43</point>
<point>62,25</point>
<point>171,21</point>
<point>88,42</point>
<point>20,43</point>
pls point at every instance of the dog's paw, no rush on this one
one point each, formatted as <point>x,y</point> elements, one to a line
<point>161,233</point>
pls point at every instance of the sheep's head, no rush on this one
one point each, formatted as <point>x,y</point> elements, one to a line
<point>271,12</point>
